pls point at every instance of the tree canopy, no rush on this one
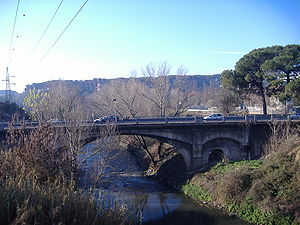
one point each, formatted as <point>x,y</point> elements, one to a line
<point>265,72</point>
<point>282,70</point>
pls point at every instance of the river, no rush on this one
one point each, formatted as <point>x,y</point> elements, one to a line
<point>151,202</point>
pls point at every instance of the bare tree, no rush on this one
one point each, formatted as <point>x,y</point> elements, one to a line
<point>120,97</point>
<point>166,99</point>
<point>160,88</point>
<point>227,101</point>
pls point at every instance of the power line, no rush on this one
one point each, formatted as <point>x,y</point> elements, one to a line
<point>13,31</point>
<point>61,34</point>
<point>45,29</point>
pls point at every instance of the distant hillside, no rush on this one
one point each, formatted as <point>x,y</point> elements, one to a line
<point>88,86</point>
<point>14,95</point>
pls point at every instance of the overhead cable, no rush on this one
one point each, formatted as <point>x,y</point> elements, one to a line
<point>61,34</point>
<point>13,31</point>
<point>45,29</point>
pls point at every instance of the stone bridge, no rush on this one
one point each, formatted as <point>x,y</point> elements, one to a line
<point>200,143</point>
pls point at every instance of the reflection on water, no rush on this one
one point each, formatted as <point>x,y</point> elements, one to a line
<point>151,202</point>
<point>157,204</point>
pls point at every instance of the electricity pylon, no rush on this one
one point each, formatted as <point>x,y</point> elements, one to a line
<point>8,96</point>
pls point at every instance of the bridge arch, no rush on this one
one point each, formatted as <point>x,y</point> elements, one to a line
<point>238,138</point>
<point>230,148</point>
<point>183,148</point>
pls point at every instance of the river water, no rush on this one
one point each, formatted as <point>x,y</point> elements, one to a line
<point>150,202</point>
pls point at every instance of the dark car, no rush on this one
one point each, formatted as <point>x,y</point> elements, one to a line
<point>295,116</point>
<point>55,121</point>
<point>106,119</point>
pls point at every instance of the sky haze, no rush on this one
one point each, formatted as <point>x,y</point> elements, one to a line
<point>110,38</point>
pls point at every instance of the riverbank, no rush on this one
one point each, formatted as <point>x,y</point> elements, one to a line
<point>265,191</point>
<point>38,185</point>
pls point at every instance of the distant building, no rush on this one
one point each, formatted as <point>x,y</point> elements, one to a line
<point>199,108</point>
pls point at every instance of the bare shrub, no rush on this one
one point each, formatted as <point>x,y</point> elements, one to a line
<point>234,185</point>
<point>33,153</point>
<point>36,185</point>
<point>280,133</point>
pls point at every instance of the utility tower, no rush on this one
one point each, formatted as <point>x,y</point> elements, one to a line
<point>8,96</point>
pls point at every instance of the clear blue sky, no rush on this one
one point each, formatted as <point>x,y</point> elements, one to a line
<point>109,38</point>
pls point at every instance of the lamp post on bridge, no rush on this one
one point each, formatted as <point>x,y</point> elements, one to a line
<point>115,108</point>
<point>265,84</point>
<point>178,108</point>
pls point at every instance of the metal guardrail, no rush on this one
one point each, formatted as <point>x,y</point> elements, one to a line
<point>174,120</point>
<point>246,118</point>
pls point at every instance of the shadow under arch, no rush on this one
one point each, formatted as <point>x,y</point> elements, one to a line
<point>223,148</point>
<point>183,148</point>
<point>215,156</point>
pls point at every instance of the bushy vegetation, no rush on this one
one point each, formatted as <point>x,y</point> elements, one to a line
<point>28,203</point>
<point>37,184</point>
<point>8,109</point>
<point>265,191</point>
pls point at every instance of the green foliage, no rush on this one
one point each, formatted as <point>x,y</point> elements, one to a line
<point>265,71</point>
<point>284,69</point>
<point>292,90</point>
<point>222,168</point>
<point>249,69</point>
<point>197,192</point>
<point>285,66</point>
<point>248,76</point>
<point>35,103</point>
<point>251,212</point>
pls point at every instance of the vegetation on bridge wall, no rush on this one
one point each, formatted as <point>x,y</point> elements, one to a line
<point>263,191</point>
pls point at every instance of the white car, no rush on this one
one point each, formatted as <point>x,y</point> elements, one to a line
<point>106,119</point>
<point>214,116</point>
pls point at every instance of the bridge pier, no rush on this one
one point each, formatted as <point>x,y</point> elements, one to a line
<point>197,150</point>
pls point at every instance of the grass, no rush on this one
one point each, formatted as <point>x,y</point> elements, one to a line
<point>197,192</point>
<point>222,168</point>
<point>29,204</point>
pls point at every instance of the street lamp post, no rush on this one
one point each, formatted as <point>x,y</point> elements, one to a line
<point>265,84</point>
<point>115,108</point>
